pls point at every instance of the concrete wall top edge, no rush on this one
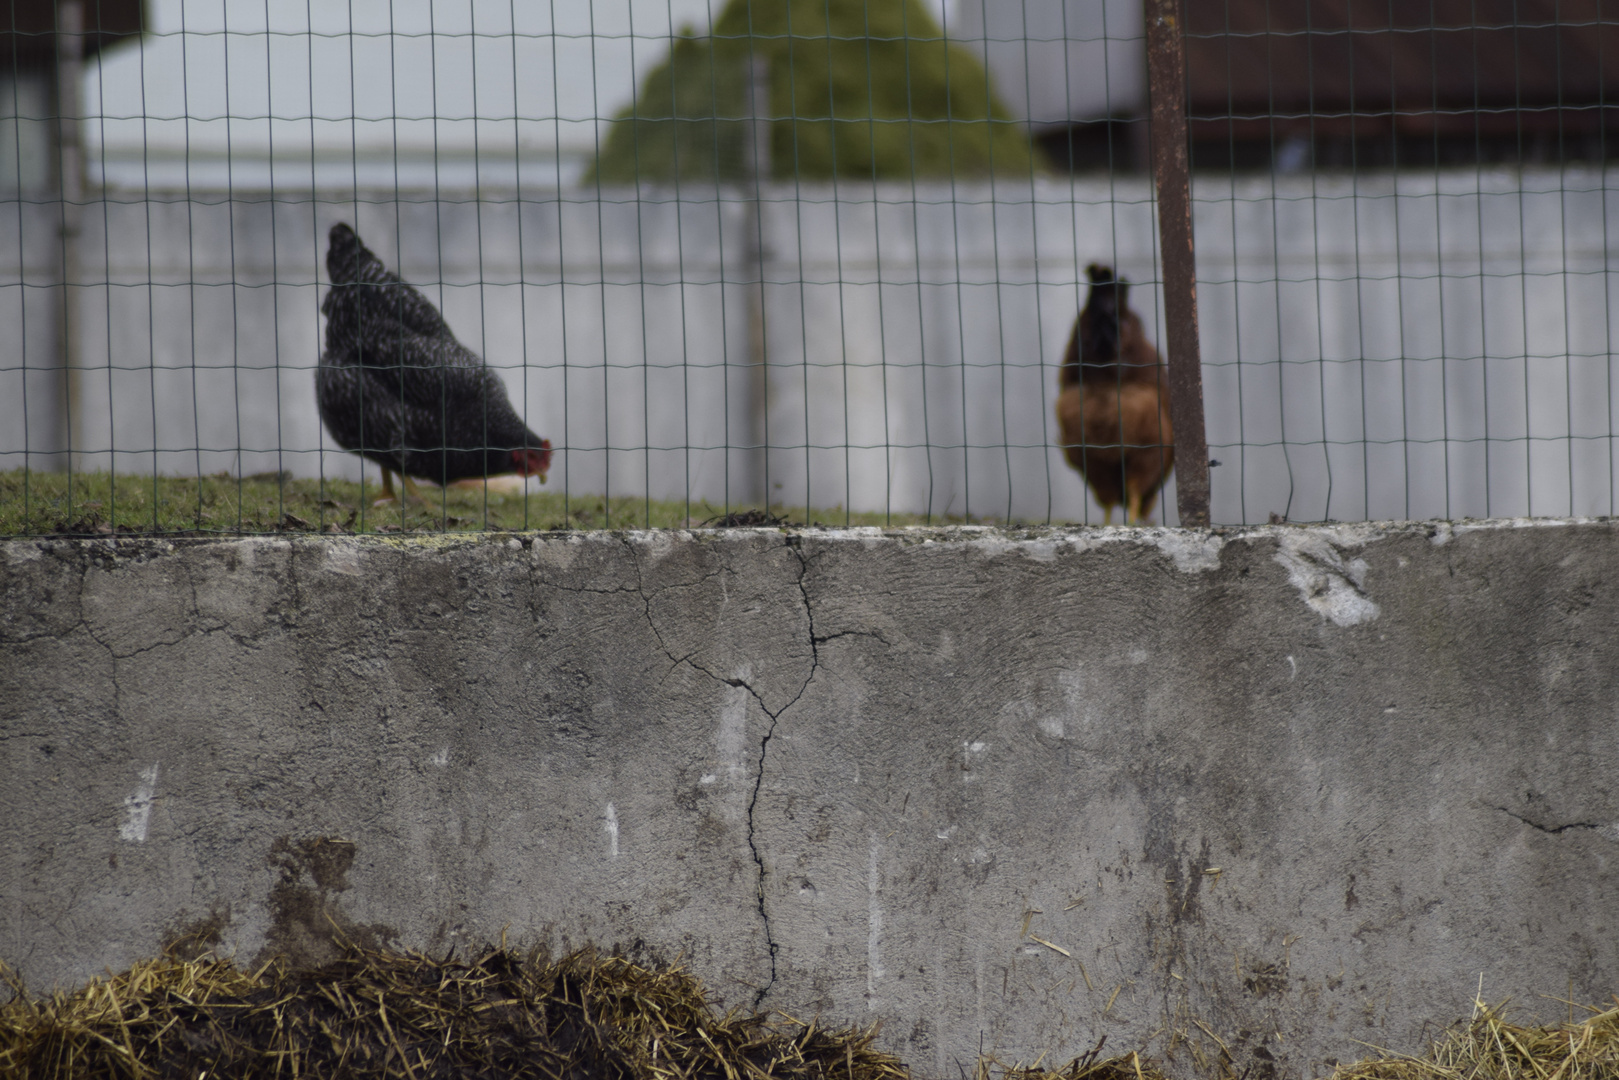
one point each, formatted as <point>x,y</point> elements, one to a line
<point>1439,530</point>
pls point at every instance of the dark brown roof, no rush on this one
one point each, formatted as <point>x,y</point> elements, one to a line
<point>27,27</point>
<point>1413,67</point>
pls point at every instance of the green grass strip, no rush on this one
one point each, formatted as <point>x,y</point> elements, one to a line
<point>99,504</point>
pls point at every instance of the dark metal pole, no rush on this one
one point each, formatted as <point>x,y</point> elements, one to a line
<point>1166,78</point>
<point>70,175</point>
<point>758,165</point>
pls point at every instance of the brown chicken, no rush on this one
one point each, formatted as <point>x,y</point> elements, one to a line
<point>1113,402</point>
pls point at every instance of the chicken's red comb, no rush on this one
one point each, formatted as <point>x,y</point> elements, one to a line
<point>534,461</point>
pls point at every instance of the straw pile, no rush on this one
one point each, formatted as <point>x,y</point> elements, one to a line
<point>584,1017</point>
<point>1490,1048</point>
<point>372,1014</point>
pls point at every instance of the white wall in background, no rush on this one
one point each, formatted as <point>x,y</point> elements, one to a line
<point>25,131</point>
<point>1397,346</point>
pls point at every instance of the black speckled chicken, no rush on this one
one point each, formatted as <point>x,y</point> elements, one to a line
<point>397,388</point>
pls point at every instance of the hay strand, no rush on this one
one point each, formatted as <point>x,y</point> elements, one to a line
<point>1089,1066</point>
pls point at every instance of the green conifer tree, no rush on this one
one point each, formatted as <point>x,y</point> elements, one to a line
<point>860,89</point>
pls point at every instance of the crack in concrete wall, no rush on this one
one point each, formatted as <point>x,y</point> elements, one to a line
<point>774,716</point>
<point>1556,829</point>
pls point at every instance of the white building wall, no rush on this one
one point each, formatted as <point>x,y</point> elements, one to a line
<point>1391,346</point>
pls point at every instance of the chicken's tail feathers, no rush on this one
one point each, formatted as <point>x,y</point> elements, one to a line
<point>348,260</point>
<point>1099,274</point>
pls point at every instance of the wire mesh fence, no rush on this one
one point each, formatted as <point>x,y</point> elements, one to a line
<point>810,260</point>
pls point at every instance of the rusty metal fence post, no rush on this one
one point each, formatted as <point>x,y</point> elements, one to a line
<point>1166,79</point>
<point>757,167</point>
<point>70,176</point>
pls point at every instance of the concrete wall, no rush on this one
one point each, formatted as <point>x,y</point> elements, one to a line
<point>1387,346</point>
<point>1291,789</point>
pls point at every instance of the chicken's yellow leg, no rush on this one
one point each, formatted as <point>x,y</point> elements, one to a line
<point>388,495</point>
<point>1132,509</point>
